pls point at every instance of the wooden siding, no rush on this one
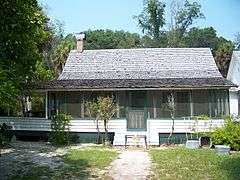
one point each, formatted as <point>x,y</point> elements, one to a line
<point>119,126</point>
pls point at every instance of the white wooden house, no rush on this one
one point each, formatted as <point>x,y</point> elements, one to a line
<point>234,76</point>
<point>140,81</point>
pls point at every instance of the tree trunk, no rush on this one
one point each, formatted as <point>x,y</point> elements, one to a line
<point>98,132</point>
<point>171,133</point>
<point>106,132</point>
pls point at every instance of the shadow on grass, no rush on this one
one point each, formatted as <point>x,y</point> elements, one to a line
<point>231,166</point>
<point>75,169</point>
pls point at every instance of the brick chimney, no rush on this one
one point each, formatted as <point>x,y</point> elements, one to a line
<point>80,39</point>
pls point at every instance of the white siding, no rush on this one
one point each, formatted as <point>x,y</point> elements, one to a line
<point>233,101</point>
<point>119,126</point>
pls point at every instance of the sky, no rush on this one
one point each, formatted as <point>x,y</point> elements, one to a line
<point>81,15</point>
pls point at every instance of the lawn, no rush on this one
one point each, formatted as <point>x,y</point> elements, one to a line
<point>82,163</point>
<point>184,164</point>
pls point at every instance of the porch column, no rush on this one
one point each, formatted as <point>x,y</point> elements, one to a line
<point>191,104</point>
<point>46,105</point>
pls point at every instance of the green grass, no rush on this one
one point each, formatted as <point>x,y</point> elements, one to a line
<point>78,164</point>
<point>184,164</point>
<point>87,162</point>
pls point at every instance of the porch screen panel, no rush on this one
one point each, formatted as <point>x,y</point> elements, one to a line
<point>219,100</point>
<point>200,100</point>
<point>122,103</point>
<point>182,104</point>
<point>73,104</point>
<point>214,103</point>
<point>162,110</point>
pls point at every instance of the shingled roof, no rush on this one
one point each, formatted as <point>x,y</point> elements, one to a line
<point>140,68</point>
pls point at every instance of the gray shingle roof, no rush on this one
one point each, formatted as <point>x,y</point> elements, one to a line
<point>140,68</point>
<point>139,83</point>
<point>149,63</point>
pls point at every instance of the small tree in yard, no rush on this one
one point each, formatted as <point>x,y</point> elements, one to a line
<point>92,109</point>
<point>171,108</point>
<point>103,109</point>
<point>60,129</point>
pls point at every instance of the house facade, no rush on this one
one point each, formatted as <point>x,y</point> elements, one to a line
<point>140,82</point>
<point>234,76</point>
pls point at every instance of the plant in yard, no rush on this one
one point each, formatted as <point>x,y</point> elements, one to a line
<point>92,110</point>
<point>103,109</point>
<point>5,135</point>
<point>171,108</point>
<point>60,129</point>
<point>229,134</point>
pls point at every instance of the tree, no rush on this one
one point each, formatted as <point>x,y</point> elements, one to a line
<point>223,56</point>
<point>92,110</point>
<point>61,51</point>
<point>103,109</point>
<point>205,37</point>
<point>171,107</point>
<point>186,16</point>
<point>23,34</point>
<point>108,39</point>
<point>183,14</point>
<point>152,19</point>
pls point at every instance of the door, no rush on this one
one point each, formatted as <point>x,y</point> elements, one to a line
<point>136,116</point>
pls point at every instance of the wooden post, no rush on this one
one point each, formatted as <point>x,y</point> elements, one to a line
<point>46,105</point>
<point>191,104</point>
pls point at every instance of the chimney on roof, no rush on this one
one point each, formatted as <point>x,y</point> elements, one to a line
<point>80,39</point>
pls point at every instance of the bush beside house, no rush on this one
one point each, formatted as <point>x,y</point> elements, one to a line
<point>60,129</point>
<point>229,134</point>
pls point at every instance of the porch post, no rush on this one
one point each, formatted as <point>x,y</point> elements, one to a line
<point>191,104</point>
<point>46,105</point>
<point>154,105</point>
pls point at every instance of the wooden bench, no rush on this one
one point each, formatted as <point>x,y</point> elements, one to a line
<point>136,136</point>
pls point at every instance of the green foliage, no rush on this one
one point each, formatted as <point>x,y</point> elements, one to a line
<point>23,34</point>
<point>152,19</point>
<point>108,39</point>
<point>202,117</point>
<point>223,55</point>
<point>61,51</point>
<point>60,129</point>
<point>205,37</point>
<point>5,135</point>
<point>229,134</point>
<point>186,15</point>
<point>102,109</point>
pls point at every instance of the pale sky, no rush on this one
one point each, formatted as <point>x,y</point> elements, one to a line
<point>81,15</point>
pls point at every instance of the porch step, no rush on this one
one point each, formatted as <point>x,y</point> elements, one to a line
<point>119,139</point>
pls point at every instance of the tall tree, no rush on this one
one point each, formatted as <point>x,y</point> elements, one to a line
<point>223,56</point>
<point>60,52</point>
<point>183,14</point>
<point>23,34</point>
<point>152,19</point>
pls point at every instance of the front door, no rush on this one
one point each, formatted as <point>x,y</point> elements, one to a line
<point>136,118</point>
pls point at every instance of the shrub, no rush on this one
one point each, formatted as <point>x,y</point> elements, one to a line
<point>5,135</point>
<point>60,129</point>
<point>229,134</point>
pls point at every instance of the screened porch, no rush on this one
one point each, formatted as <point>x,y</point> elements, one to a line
<point>152,104</point>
